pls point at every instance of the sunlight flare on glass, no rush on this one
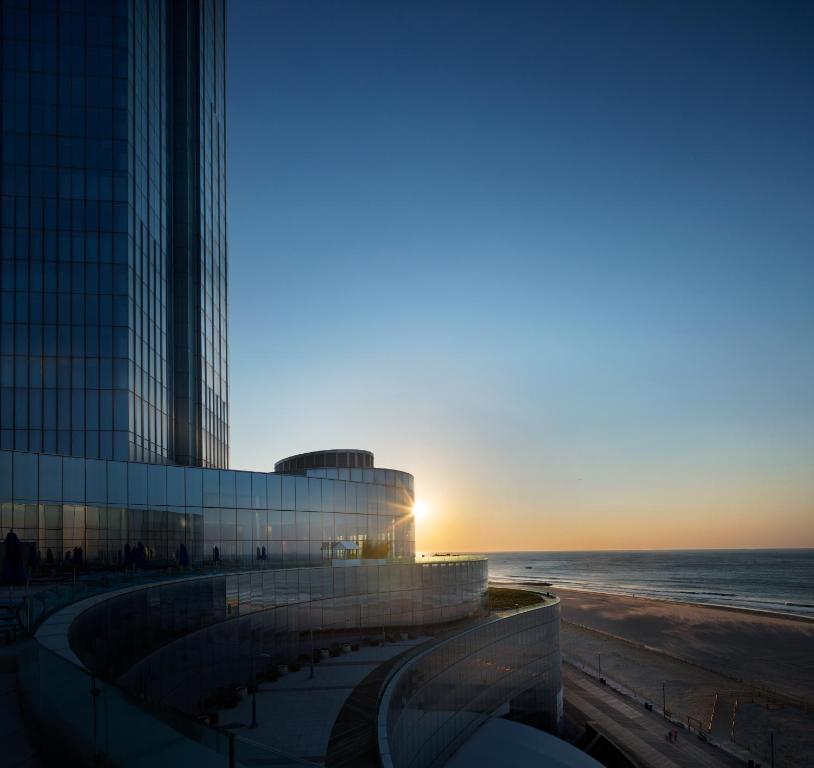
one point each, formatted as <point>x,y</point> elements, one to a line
<point>420,510</point>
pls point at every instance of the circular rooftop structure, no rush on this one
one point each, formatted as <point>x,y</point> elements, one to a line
<point>347,458</point>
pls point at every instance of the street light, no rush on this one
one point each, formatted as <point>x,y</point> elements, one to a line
<point>311,657</point>
<point>254,690</point>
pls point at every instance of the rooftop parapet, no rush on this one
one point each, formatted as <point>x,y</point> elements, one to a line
<point>341,458</point>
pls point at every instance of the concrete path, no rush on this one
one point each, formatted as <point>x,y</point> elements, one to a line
<point>296,714</point>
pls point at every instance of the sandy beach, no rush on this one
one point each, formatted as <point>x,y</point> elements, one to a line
<point>763,662</point>
<point>768,651</point>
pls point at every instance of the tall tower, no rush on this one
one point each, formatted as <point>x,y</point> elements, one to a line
<point>200,360</point>
<point>113,276</point>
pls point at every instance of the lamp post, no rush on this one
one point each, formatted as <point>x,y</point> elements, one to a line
<point>254,690</point>
<point>253,678</point>
<point>253,723</point>
<point>94,693</point>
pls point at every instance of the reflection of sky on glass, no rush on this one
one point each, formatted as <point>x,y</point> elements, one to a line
<point>556,261</point>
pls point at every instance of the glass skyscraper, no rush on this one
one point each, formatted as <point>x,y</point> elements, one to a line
<point>114,436</point>
<point>114,414</point>
<point>113,321</point>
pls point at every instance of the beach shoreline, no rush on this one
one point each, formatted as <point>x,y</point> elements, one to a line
<point>768,651</point>
<point>741,674</point>
<point>543,587</point>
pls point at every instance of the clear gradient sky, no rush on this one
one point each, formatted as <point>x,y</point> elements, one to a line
<point>555,259</point>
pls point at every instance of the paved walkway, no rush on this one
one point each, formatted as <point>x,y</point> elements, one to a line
<point>640,733</point>
<point>690,691</point>
<point>295,714</point>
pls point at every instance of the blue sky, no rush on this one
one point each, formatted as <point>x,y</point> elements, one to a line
<point>556,259</point>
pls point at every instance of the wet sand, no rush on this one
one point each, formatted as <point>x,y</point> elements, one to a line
<point>767,651</point>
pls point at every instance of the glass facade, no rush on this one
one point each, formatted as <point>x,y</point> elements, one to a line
<point>57,701</point>
<point>114,392</point>
<point>90,274</point>
<point>174,642</point>
<point>103,506</point>
<point>201,391</point>
<point>437,700</point>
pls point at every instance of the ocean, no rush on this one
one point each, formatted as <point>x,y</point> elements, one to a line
<point>774,580</point>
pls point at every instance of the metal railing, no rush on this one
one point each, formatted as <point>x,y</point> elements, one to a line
<point>33,605</point>
<point>763,737</point>
<point>39,598</point>
<point>451,558</point>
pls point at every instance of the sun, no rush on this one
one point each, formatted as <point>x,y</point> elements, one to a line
<point>420,510</point>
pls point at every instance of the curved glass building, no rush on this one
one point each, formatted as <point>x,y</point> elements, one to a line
<point>165,573</point>
<point>437,700</point>
<point>317,516</point>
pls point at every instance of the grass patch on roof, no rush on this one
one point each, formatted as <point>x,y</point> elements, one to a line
<point>504,599</point>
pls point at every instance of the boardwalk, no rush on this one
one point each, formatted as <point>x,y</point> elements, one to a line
<point>639,733</point>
